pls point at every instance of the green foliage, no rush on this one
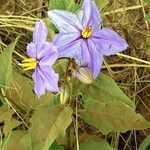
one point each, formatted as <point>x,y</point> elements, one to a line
<point>56,147</point>
<point>68,5</point>
<point>114,116</point>
<point>61,66</point>
<point>22,95</point>
<point>47,124</point>
<point>147,17</point>
<point>102,3</point>
<point>92,145</point>
<point>104,89</point>
<point>145,144</point>
<point>9,122</point>
<point>6,64</point>
<point>19,140</point>
<point>107,107</point>
<point>147,1</point>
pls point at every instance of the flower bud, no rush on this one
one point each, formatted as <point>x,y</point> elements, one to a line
<point>64,95</point>
<point>84,75</point>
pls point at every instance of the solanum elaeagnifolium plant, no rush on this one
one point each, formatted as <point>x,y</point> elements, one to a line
<point>67,82</point>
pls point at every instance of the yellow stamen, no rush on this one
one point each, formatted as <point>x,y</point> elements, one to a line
<point>29,60</point>
<point>87,32</point>
<point>29,64</point>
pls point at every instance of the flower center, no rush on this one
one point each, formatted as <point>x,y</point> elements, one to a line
<point>29,63</point>
<point>87,32</point>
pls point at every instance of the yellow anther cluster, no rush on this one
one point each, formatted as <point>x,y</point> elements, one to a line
<point>29,64</point>
<point>87,32</point>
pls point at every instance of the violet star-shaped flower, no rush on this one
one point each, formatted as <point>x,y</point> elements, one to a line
<point>83,37</point>
<point>42,55</point>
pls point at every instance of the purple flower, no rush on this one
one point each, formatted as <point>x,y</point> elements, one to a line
<point>82,36</point>
<point>42,55</point>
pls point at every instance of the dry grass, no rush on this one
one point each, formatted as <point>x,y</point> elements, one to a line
<point>131,71</point>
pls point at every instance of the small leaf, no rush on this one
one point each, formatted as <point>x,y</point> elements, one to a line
<point>92,145</point>
<point>103,89</point>
<point>111,117</point>
<point>69,5</point>
<point>145,144</point>
<point>6,64</point>
<point>51,122</point>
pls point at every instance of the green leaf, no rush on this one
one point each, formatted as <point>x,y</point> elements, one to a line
<point>47,124</point>
<point>19,140</point>
<point>115,116</point>
<point>61,66</point>
<point>147,17</point>
<point>56,147</point>
<point>6,64</point>
<point>51,29</point>
<point>5,113</point>
<point>92,145</point>
<point>69,5</point>
<point>144,145</point>
<point>104,90</point>
<point>147,1</point>
<point>102,3</point>
<point>9,122</point>
<point>21,94</point>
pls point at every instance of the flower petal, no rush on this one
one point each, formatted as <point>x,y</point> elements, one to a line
<point>83,55</point>
<point>91,15</point>
<point>48,56</point>
<point>67,44</point>
<point>31,50</point>
<point>39,87</point>
<point>88,56</point>
<point>46,49</point>
<point>65,21</point>
<point>96,60</point>
<point>39,34</point>
<point>50,78</point>
<point>109,41</point>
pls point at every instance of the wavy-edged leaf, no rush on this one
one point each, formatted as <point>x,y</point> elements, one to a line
<point>103,89</point>
<point>110,117</point>
<point>47,124</point>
